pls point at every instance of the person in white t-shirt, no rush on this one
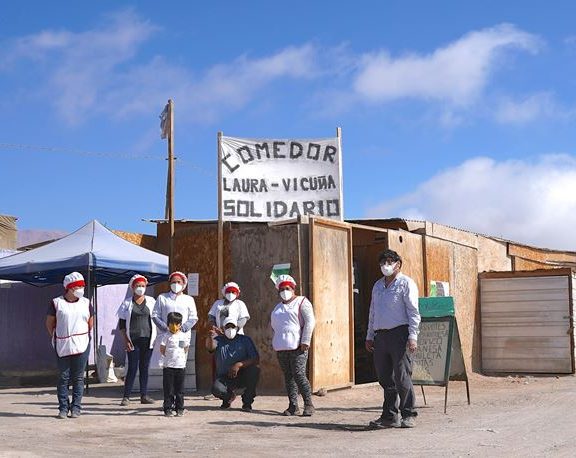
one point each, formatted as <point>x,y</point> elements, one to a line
<point>231,306</point>
<point>174,346</point>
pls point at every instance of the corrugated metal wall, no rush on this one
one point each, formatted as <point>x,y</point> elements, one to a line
<point>526,324</point>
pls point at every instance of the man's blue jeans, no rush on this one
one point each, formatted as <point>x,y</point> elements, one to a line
<point>71,372</point>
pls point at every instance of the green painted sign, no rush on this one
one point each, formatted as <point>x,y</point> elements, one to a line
<point>436,307</point>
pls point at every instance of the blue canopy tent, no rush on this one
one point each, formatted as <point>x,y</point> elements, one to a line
<point>93,250</point>
<point>100,255</point>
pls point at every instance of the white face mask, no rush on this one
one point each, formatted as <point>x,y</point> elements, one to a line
<point>230,296</point>
<point>79,293</point>
<point>140,290</point>
<point>176,287</point>
<point>388,269</point>
<point>230,332</point>
<point>286,295</point>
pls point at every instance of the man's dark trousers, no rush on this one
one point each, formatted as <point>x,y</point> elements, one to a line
<point>393,365</point>
<point>247,378</point>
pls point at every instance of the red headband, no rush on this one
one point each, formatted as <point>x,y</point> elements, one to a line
<point>232,289</point>
<point>287,283</point>
<point>177,274</point>
<point>75,283</point>
<point>140,278</point>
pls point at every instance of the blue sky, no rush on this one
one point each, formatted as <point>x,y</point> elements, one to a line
<point>457,112</point>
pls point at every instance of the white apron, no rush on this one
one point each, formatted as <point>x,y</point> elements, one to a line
<point>286,323</point>
<point>72,335</point>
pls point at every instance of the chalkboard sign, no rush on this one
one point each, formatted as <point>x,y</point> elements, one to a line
<point>429,362</point>
<point>438,358</point>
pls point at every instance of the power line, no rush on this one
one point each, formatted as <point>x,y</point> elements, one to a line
<point>77,151</point>
<point>113,155</point>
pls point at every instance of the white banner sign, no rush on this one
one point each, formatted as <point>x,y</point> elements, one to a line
<point>268,180</point>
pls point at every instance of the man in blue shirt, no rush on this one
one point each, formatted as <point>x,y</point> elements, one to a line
<point>392,337</point>
<point>236,365</point>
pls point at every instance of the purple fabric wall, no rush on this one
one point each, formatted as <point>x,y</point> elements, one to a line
<point>25,344</point>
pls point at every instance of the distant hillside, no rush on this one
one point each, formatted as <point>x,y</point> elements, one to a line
<point>31,236</point>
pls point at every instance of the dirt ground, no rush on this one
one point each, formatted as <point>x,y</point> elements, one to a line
<point>513,416</point>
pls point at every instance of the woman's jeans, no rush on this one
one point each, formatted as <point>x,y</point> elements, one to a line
<point>138,360</point>
<point>71,372</point>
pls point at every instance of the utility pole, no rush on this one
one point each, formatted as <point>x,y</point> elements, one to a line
<point>167,126</point>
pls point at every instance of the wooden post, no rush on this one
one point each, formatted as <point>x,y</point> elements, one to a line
<point>220,222</point>
<point>339,136</point>
<point>170,197</point>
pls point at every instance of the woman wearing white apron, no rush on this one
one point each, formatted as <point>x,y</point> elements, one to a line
<point>293,323</point>
<point>69,323</point>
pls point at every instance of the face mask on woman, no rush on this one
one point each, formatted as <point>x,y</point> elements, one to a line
<point>286,294</point>
<point>176,287</point>
<point>230,332</point>
<point>140,290</point>
<point>230,296</point>
<point>79,293</point>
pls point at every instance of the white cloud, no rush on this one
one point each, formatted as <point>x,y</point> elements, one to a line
<point>532,202</point>
<point>456,74</point>
<point>102,71</point>
<point>96,71</point>
<point>529,108</point>
<point>76,68</point>
<point>219,89</point>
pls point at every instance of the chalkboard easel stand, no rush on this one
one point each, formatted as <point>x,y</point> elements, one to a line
<point>446,394</point>
<point>439,331</point>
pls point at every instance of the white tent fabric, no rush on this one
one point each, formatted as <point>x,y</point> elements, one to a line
<point>93,250</point>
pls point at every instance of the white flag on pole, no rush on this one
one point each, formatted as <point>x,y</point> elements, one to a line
<point>165,122</point>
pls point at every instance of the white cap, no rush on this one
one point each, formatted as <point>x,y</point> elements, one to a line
<point>181,275</point>
<point>284,280</point>
<point>228,320</point>
<point>73,279</point>
<point>231,285</point>
<point>136,278</point>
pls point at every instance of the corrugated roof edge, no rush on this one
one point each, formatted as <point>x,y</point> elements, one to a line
<point>493,237</point>
<point>360,220</point>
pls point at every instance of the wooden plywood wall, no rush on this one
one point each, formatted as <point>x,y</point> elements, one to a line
<point>256,249</point>
<point>464,284</point>
<point>196,251</point>
<point>332,356</point>
<point>438,261</point>
<point>527,264</point>
<point>540,255</point>
<point>143,240</point>
<point>493,255</point>
<point>458,265</point>
<point>409,247</point>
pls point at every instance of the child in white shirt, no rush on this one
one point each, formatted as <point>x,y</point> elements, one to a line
<point>174,347</point>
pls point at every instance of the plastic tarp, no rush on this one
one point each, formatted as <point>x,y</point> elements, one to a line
<point>92,248</point>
